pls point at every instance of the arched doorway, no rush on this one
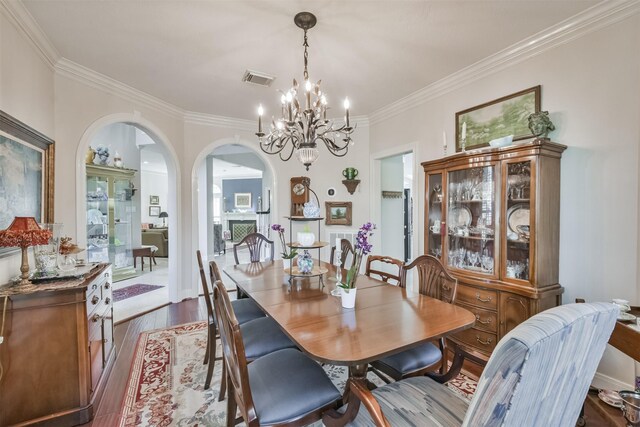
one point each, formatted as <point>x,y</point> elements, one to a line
<point>163,148</point>
<point>206,212</point>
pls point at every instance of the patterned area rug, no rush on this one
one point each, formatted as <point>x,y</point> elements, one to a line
<point>166,382</point>
<point>133,291</point>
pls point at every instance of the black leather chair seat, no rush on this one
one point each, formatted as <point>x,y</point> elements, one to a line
<point>246,309</point>
<point>286,385</point>
<point>410,360</point>
<point>263,336</point>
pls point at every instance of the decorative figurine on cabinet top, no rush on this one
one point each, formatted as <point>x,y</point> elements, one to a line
<point>540,125</point>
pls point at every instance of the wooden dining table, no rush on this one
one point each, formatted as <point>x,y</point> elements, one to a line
<point>386,319</point>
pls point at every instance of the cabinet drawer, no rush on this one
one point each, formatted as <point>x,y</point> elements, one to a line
<point>476,338</point>
<point>485,319</point>
<point>478,297</point>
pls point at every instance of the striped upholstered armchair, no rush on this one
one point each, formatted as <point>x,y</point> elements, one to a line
<point>538,375</point>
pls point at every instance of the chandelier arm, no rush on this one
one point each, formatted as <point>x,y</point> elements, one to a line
<point>289,156</point>
<point>338,153</point>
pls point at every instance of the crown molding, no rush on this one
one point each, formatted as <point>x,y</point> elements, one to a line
<point>67,68</point>
<point>596,17</point>
<point>205,119</point>
<point>20,17</point>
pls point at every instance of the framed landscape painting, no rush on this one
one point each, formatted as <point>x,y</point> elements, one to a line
<point>501,117</point>
<point>26,174</point>
<point>338,213</point>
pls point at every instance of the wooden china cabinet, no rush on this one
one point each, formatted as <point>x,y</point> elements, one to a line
<point>492,216</point>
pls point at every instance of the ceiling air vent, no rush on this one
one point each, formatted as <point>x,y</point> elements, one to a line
<point>257,78</point>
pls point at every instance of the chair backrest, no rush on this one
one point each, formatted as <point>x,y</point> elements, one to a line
<point>233,352</point>
<point>346,248</point>
<point>539,373</point>
<point>434,280</point>
<point>254,242</point>
<point>205,286</point>
<point>385,276</point>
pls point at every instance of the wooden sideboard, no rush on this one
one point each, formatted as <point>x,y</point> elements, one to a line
<point>58,349</point>
<point>492,217</point>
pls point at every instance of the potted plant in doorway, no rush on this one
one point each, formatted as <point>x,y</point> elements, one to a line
<point>362,248</point>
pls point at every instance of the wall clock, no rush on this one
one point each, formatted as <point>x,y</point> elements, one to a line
<point>299,194</point>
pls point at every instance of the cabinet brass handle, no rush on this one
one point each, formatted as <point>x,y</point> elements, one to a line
<point>95,318</point>
<point>106,274</point>
<point>484,322</point>
<point>95,300</point>
<point>479,298</point>
<point>107,285</point>
<point>94,286</point>
<point>487,342</point>
<point>107,300</point>
<point>446,288</point>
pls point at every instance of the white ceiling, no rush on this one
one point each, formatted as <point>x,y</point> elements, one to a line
<point>194,53</point>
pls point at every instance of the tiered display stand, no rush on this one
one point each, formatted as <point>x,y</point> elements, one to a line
<point>317,271</point>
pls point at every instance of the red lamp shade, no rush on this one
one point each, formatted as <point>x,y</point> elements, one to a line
<point>23,232</point>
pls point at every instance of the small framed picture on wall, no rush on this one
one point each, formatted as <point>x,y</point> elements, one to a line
<point>154,200</point>
<point>242,200</point>
<point>154,210</point>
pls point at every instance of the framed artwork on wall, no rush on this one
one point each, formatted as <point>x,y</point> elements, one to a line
<point>26,174</point>
<point>498,118</point>
<point>242,200</point>
<point>338,213</point>
<point>154,200</point>
<point>154,210</point>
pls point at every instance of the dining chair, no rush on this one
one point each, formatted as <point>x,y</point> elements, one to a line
<point>246,310</point>
<point>385,276</point>
<point>346,248</point>
<point>538,375</point>
<point>282,388</point>
<point>435,282</point>
<point>255,243</point>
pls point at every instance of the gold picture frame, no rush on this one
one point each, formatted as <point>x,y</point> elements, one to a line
<point>36,153</point>
<point>501,117</point>
<point>338,213</point>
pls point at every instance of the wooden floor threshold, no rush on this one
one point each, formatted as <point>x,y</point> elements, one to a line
<point>141,314</point>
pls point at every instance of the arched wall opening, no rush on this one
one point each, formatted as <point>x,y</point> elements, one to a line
<point>200,226</point>
<point>165,148</point>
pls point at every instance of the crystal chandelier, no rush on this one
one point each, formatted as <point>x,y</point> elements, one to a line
<point>300,127</point>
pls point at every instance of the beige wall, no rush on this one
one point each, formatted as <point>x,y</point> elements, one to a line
<point>591,86</point>
<point>26,93</point>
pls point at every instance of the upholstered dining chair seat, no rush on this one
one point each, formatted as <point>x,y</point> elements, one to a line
<point>287,384</point>
<point>246,309</point>
<point>417,401</point>
<point>408,361</point>
<point>263,336</point>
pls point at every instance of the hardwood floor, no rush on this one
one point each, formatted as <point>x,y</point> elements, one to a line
<point>126,337</point>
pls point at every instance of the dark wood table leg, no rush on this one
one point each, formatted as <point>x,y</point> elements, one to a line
<point>150,263</point>
<point>357,372</point>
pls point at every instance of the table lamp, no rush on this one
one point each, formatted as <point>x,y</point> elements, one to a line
<point>24,232</point>
<point>164,215</point>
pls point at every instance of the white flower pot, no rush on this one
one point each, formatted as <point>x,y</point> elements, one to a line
<point>306,239</point>
<point>349,297</point>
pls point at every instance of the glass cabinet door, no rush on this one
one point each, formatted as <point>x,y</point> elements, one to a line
<point>436,228</point>
<point>471,219</point>
<point>121,236</point>
<point>518,193</point>
<point>97,219</point>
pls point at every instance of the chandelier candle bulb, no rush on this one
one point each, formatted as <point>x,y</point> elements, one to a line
<point>346,110</point>
<point>307,87</point>
<point>260,113</point>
